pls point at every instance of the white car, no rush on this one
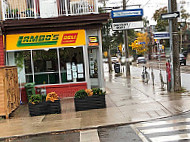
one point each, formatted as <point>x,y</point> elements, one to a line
<point>114,59</point>
<point>141,60</point>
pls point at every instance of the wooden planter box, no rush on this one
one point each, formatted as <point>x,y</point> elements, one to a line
<point>44,108</point>
<point>91,102</point>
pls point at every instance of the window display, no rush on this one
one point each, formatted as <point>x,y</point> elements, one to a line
<point>50,66</point>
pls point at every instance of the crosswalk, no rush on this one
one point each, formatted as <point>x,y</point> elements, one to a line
<point>172,130</point>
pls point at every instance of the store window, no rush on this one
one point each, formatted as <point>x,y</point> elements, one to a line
<point>72,64</point>
<point>51,66</point>
<point>46,66</point>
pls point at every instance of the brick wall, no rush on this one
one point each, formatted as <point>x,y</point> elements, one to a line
<point>1,51</point>
<point>63,90</point>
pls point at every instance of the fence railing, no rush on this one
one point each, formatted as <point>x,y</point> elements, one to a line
<point>22,9</point>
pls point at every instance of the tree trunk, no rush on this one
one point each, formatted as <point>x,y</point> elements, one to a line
<point>176,63</point>
<point>109,61</point>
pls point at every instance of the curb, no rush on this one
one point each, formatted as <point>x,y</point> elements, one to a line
<point>82,129</point>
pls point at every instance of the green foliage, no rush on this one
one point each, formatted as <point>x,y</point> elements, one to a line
<point>81,94</point>
<point>98,91</point>
<point>34,99</point>
<point>161,24</point>
<point>19,60</point>
<point>184,14</point>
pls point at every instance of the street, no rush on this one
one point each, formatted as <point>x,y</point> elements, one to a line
<point>172,129</point>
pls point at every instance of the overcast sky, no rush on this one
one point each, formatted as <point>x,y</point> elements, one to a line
<point>149,6</point>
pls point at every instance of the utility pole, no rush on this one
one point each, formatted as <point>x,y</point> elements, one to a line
<point>174,46</point>
<point>126,46</point>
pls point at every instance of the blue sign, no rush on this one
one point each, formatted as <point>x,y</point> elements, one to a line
<point>161,35</point>
<point>142,43</point>
<point>127,13</point>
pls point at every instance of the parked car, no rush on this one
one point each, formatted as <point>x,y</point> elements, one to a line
<point>185,53</point>
<point>182,59</point>
<point>114,60</point>
<point>123,60</point>
<point>141,60</point>
<point>105,60</point>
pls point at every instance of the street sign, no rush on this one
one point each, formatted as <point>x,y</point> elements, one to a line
<point>142,43</point>
<point>127,25</point>
<point>127,13</point>
<point>161,35</point>
<point>170,15</point>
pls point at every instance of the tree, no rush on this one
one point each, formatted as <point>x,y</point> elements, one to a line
<point>107,41</point>
<point>184,14</point>
<point>161,24</point>
<point>140,45</point>
<point>103,2</point>
<point>183,24</point>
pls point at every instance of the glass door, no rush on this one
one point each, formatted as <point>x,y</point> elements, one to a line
<point>93,67</point>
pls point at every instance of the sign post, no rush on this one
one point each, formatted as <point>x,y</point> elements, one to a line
<point>127,19</point>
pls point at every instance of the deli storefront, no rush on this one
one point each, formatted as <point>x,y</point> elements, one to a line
<point>61,61</point>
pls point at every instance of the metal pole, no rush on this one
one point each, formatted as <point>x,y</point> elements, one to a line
<point>126,46</point>
<point>171,46</point>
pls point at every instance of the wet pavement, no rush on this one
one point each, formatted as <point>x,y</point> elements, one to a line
<point>128,101</point>
<point>172,129</point>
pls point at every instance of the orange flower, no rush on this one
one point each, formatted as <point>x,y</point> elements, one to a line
<point>52,97</point>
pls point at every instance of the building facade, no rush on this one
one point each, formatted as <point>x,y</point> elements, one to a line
<point>61,54</point>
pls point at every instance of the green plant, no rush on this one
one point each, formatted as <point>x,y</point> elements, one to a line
<point>34,99</point>
<point>19,60</point>
<point>81,94</point>
<point>98,91</point>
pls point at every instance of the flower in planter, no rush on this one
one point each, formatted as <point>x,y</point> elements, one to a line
<point>98,91</point>
<point>35,99</point>
<point>89,92</point>
<point>52,97</point>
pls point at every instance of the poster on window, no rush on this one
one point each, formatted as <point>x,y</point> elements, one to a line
<point>80,68</point>
<point>80,75</point>
<point>69,73</point>
<point>74,68</point>
<point>69,77</point>
<point>74,74</point>
<point>68,65</point>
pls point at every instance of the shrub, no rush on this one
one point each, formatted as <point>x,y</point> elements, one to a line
<point>98,91</point>
<point>34,99</point>
<point>81,94</point>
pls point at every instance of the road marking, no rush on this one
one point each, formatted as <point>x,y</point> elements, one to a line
<point>167,129</point>
<point>89,136</point>
<point>159,123</point>
<point>163,131</point>
<point>171,138</point>
<point>141,136</point>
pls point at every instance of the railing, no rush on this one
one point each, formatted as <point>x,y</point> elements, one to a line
<point>22,9</point>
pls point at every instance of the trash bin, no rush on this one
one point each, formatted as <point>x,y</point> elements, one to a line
<point>117,67</point>
<point>30,90</point>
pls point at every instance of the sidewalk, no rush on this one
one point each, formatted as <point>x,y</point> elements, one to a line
<point>128,101</point>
